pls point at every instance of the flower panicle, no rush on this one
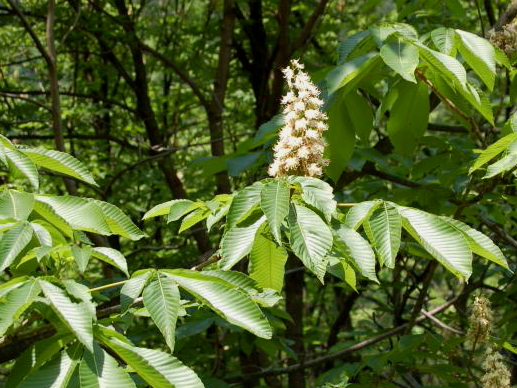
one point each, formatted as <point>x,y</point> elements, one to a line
<point>299,150</point>
<point>480,320</point>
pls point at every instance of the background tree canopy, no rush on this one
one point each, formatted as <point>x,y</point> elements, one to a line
<point>143,244</point>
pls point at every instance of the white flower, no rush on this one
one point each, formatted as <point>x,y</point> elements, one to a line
<point>299,106</point>
<point>303,152</point>
<point>314,170</point>
<point>300,124</point>
<point>312,134</point>
<point>291,162</point>
<point>311,114</point>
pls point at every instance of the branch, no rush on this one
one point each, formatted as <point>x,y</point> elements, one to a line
<point>507,17</point>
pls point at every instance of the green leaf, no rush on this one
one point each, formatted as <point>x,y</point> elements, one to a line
<point>231,303</point>
<point>274,201</point>
<point>60,162</point>
<point>164,208</point>
<point>381,32</point>
<point>81,256</point>
<point>16,205</point>
<point>355,248</point>
<point>22,165</point>
<point>493,150</point>
<point>243,203</point>
<point>80,213</point>
<point>56,373</point>
<point>317,193</point>
<point>444,242</point>
<point>479,243</point>
<point>179,209</point>
<point>235,278</point>
<point>384,229</point>
<point>162,300</point>
<point>193,218</point>
<point>100,370</point>
<point>480,55</point>
<point>111,256</point>
<point>360,212</point>
<point>133,288</point>
<point>12,284</point>
<point>359,41</point>
<point>237,242</point>
<point>358,115</point>
<point>401,57</point>
<point>118,222</point>
<point>340,137</point>
<point>34,357</point>
<point>310,239</point>
<point>76,316</point>
<point>267,261</point>
<point>349,74</point>
<point>409,116</point>
<point>53,219</point>
<point>444,65</point>
<point>445,40</point>
<point>159,369</point>
<point>15,302</point>
<point>13,242</point>
<point>503,165</point>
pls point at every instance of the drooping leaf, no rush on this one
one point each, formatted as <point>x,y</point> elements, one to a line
<point>444,242</point>
<point>493,150</point>
<point>82,256</point>
<point>401,57</point>
<point>225,299</point>
<point>317,193</point>
<point>274,201</point>
<point>479,243</point>
<point>111,256</point>
<point>42,234</point>
<point>193,218</point>
<point>16,302</point>
<point>52,218</point>
<point>267,261</point>
<point>159,369</point>
<point>359,42</point>
<point>100,370</point>
<point>22,165</point>
<point>118,222</point>
<point>243,203</point>
<point>75,316</point>
<point>349,74</point>
<point>409,116</point>
<point>445,40</point>
<point>354,247</point>
<point>360,212</point>
<point>162,299</point>
<point>443,64</point>
<point>503,165</point>
<point>384,229</point>
<point>133,288</point>
<point>60,162</point>
<point>235,278</point>
<point>80,213</point>
<point>56,373</point>
<point>310,239</point>
<point>13,242</point>
<point>479,54</point>
<point>16,204</point>
<point>164,208</point>
<point>237,242</point>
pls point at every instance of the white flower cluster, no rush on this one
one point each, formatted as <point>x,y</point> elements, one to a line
<point>299,150</point>
<point>480,320</point>
<point>496,374</point>
<point>506,39</point>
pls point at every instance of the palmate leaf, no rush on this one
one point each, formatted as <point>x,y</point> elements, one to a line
<point>60,162</point>
<point>52,218</point>
<point>118,222</point>
<point>479,54</point>
<point>162,300</point>
<point>243,203</point>
<point>349,74</point>
<point>133,288</point>
<point>16,302</point>
<point>443,64</point>
<point>443,241</point>
<point>13,242</point>
<point>36,356</point>
<point>111,256</point>
<point>267,261</point>
<point>100,370</point>
<point>401,57</point>
<point>445,40</point>
<point>479,243</point>
<point>317,193</point>
<point>310,239</point>
<point>76,316</point>
<point>355,248</point>
<point>225,299</point>
<point>56,373</point>
<point>274,201</point>
<point>159,369</point>
<point>82,256</point>
<point>384,228</point>
<point>237,242</point>
<point>235,278</point>
<point>16,204</point>
<point>361,41</point>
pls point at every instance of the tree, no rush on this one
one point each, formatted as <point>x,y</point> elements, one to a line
<point>296,279</point>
